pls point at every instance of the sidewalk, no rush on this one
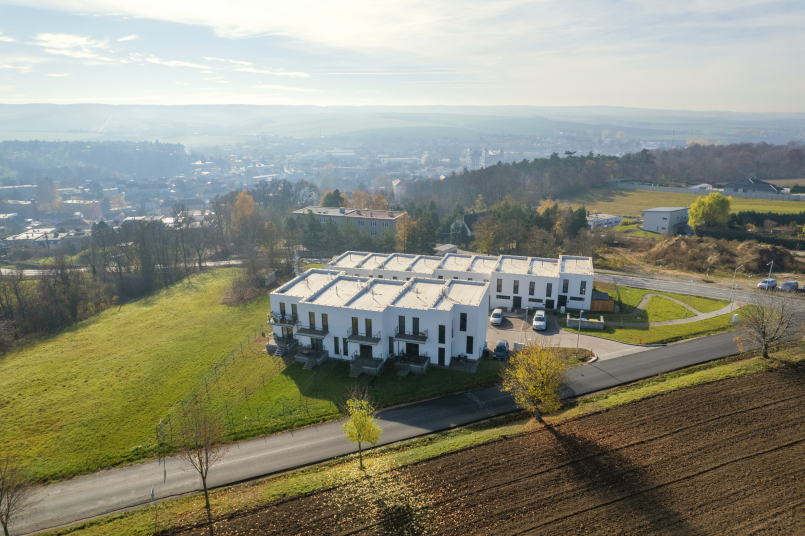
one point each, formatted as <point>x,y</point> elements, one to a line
<point>696,318</point>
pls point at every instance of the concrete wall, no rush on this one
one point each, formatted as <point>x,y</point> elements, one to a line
<point>747,195</point>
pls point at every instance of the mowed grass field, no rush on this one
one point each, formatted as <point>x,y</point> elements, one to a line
<point>90,397</point>
<point>631,202</point>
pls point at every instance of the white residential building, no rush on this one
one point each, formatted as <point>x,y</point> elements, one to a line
<point>515,282</point>
<point>596,220</point>
<point>367,320</point>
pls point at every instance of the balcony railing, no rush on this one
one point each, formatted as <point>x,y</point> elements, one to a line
<point>309,351</point>
<point>410,336</point>
<point>282,320</point>
<point>284,341</point>
<point>366,338</point>
<point>313,331</point>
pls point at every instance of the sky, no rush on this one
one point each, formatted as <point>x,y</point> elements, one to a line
<point>728,55</point>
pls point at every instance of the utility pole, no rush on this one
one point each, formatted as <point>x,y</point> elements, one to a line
<point>732,289</point>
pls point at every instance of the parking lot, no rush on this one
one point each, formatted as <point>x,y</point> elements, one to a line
<point>518,329</point>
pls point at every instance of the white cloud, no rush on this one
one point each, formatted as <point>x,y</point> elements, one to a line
<point>214,78</point>
<point>240,62</point>
<point>273,73</point>
<point>73,46</point>
<point>207,72</point>
<point>6,38</point>
<point>286,88</point>
<point>213,59</point>
<point>180,83</point>
<point>23,64</point>
<point>131,37</point>
<point>174,63</point>
<point>59,75</point>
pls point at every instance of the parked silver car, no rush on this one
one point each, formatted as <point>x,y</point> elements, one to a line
<point>501,350</point>
<point>789,286</point>
<point>767,284</point>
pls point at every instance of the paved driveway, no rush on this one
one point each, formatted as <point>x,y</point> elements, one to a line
<point>516,329</point>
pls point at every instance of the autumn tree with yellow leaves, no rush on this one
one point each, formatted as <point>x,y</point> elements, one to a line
<point>361,426</point>
<point>534,375</point>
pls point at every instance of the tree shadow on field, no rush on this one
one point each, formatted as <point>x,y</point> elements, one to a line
<point>620,483</point>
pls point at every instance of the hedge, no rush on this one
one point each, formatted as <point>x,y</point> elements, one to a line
<point>732,234</point>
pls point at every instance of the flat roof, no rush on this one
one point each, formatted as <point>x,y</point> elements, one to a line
<point>461,293</point>
<point>377,295</point>
<point>664,209</point>
<point>307,284</point>
<point>576,265</point>
<point>420,294</point>
<point>399,262</point>
<point>349,260</point>
<point>373,261</point>
<point>514,265</point>
<point>456,263</point>
<point>484,265</point>
<point>544,267</point>
<point>324,211</point>
<point>340,290</point>
<point>425,265</point>
<point>601,215</point>
<point>376,214</point>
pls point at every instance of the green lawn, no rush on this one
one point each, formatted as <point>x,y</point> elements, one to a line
<point>658,310</point>
<point>90,396</point>
<point>631,202</point>
<point>631,297</point>
<point>660,334</point>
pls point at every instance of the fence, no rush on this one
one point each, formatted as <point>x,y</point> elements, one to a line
<point>746,195</point>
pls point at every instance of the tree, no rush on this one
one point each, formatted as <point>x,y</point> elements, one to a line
<point>201,435</point>
<point>106,205</point>
<point>710,212</point>
<point>361,426</point>
<point>458,234</point>
<point>405,226</point>
<point>484,231</point>
<point>245,219</point>
<point>767,321</point>
<point>334,198</point>
<point>386,242</point>
<point>15,490</point>
<point>533,375</point>
<point>360,199</point>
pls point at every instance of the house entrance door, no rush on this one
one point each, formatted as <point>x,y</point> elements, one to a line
<point>517,302</point>
<point>562,300</point>
<point>411,349</point>
<point>317,344</point>
<point>366,351</point>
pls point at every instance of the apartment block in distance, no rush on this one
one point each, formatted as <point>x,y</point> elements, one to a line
<point>374,222</point>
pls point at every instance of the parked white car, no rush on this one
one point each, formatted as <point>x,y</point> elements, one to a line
<point>540,322</point>
<point>767,284</point>
<point>497,317</point>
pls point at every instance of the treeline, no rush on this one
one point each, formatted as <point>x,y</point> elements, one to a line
<point>759,219</point>
<point>23,162</point>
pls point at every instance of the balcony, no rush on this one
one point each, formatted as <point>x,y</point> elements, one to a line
<point>366,338</point>
<point>282,320</point>
<point>368,365</point>
<point>416,337</point>
<point>285,342</point>
<point>313,331</point>
<point>416,364</point>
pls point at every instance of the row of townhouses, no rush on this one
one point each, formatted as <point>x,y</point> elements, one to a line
<point>416,309</point>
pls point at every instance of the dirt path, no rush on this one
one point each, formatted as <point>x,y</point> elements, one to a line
<point>722,458</point>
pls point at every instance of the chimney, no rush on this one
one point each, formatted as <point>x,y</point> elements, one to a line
<point>391,214</point>
<point>342,210</point>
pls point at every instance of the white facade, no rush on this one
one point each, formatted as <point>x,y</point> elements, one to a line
<point>665,220</point>
<point>514,282</point>
<point>597,220</point>
<point>354,316</point>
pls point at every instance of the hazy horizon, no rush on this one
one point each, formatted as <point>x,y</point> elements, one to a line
<point>738,56</point>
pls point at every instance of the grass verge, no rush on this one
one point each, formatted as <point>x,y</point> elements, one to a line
<point>631,297</point>
<point>187,511</point>
<point>660,334</point>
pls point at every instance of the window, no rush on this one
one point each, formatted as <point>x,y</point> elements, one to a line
<point>282,309</point>
<point>346,350</point>
<point>665,218</point>
<point>576,298</point>
<point>565,283</point>
<point>500,285</point>
<point>391,345</point>
<point>583,288</point>
<point>442,334</point>
<point>548,290</point>
<point>380,277</point>
<point>374,224</point>
<point>516,286</point>
<point>415,328</point>
<point>336,351</point>
<point>502,297</point>
<point>462,322</point>
<point>455,277</point>
<point>385,224</point>
<point>469,279</point>
<point>394,277</point>
<point>407,278</point>
<point>324,320</point>
<point>534,300</point>
<point>401,324</point>
<point>355,330</point>
<point>531,286</point>
<point>441,356</point>
<point>368,327</point>
<point>373,233</point>
<point>323,220</point>
<point>312,318</point>
<point>441,277</point>
<point>360,222</point>
<point>469,345</point>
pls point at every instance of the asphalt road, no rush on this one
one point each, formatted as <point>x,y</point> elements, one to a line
<point>113,490</point>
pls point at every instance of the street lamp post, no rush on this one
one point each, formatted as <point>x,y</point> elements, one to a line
<point>770,265</point>
<point>732,289</point>
<point>578,332</point>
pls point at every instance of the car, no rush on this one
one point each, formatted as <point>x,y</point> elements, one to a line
<point>540,322</point>
<point>497,317</point>
<point>767,284</point>
<point>789,286</point>
<point>501,350</point>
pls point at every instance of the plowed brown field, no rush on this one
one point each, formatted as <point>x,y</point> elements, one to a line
<point>724,458</point>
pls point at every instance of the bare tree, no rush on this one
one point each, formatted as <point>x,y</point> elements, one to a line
<point>767,321</point>
<point>15,490</point>
<point>201,435</point>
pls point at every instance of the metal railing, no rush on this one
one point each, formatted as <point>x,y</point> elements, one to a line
<point>357,358</point>
<point>366,337</point>
<point>413,336</point>
<point>280,319</point>
<point>312,331</point>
